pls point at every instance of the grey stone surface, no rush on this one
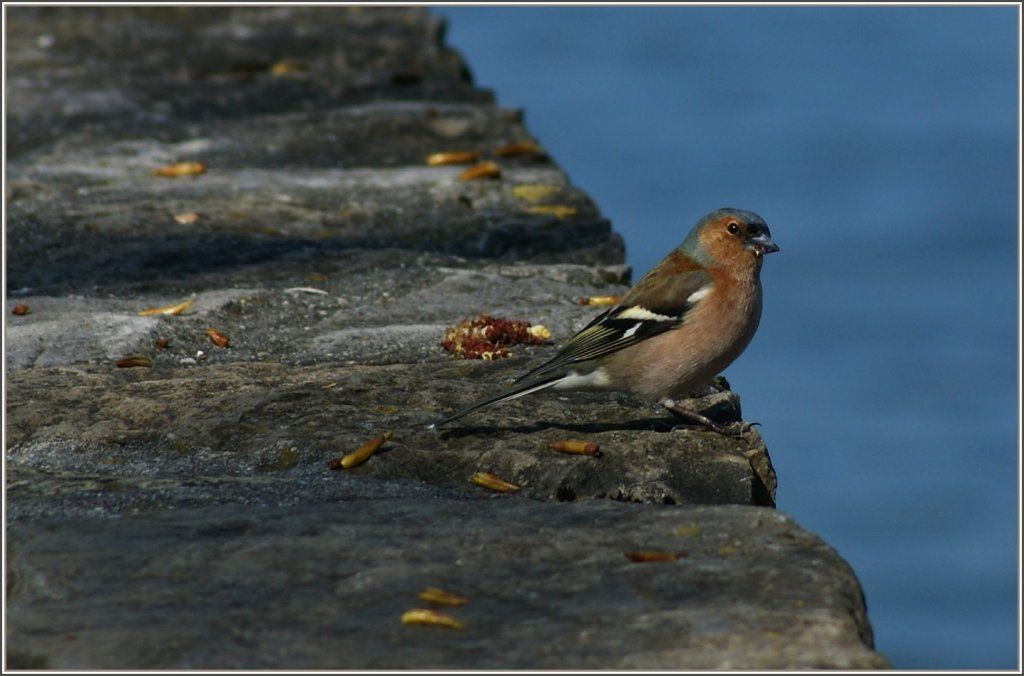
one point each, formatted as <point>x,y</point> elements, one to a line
<point>183,516</point>
<point>323,583</point>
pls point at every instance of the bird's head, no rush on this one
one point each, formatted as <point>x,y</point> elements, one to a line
<point>729,237</point>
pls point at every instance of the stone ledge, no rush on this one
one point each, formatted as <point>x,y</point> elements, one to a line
<point>181,516</point>
<point>322,585</point>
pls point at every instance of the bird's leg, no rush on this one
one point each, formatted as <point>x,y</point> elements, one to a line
<point>697,418</point>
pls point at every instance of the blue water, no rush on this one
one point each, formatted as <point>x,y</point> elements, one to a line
<point>880,144</point>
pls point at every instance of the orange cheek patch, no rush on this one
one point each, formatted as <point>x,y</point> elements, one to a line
<point>717,241</point>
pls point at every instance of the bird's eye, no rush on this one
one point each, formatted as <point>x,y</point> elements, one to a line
<point>733,228</point>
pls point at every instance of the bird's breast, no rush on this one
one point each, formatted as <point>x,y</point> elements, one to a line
<point>677,362</point>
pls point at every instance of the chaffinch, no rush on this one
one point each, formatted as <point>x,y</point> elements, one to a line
<point>675,330</point>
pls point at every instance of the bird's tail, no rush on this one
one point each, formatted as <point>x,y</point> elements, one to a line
<point>519,389</point>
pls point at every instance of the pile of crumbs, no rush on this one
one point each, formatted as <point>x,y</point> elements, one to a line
<point>489,337</point>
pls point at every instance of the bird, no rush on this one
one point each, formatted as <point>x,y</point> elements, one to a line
<point>676,329</point>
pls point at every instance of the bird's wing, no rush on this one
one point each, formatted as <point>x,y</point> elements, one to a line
<point>655,305</point>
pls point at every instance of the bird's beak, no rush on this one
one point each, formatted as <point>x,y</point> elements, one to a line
<point>762,244</point>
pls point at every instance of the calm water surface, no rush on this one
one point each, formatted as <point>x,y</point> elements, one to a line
<point>880,144</point>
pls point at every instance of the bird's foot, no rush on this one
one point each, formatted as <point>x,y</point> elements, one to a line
<point>692,418</point>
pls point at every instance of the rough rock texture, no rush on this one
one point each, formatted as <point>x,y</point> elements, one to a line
<point>321,584</point>
<point>182,515</point>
